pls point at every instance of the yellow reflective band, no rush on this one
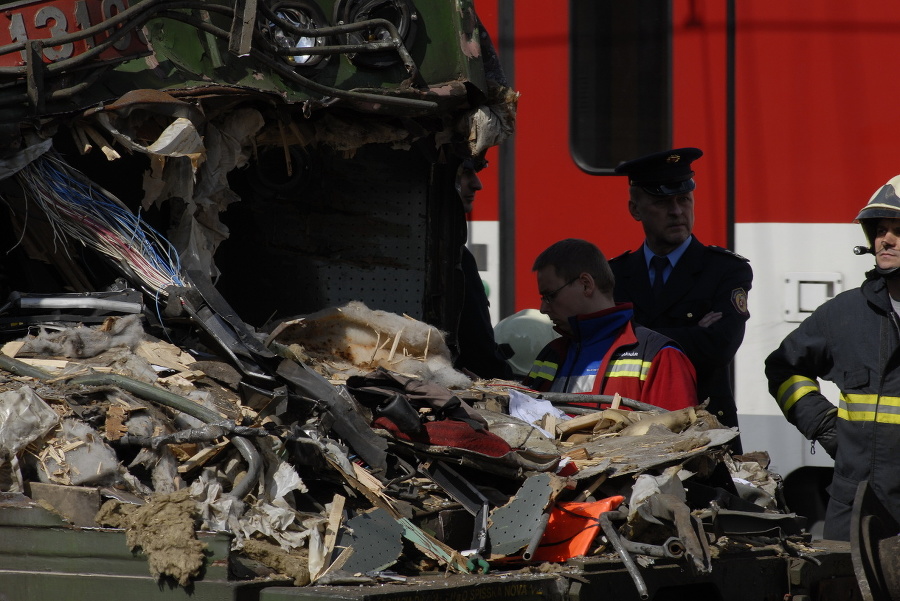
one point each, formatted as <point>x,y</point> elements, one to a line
<point>543,369</point>
<point>630,368</point>
<point>793,389</point>
<point>869,408</point>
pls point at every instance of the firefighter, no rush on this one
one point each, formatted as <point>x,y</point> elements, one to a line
<point>852,340</point>
<point>601,351</point>
<point>692,293</point>
<point>479,353</point>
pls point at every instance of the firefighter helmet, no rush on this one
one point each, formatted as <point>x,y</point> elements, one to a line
<point>526,332</point>
<point>885,203</point>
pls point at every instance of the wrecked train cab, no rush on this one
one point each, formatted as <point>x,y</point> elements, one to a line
<point>213,167</point>
<point>298,154</point>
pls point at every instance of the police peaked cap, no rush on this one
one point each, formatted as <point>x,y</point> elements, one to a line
<point>662,173</point>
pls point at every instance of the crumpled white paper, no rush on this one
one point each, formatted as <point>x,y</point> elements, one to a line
<point>532,411</point>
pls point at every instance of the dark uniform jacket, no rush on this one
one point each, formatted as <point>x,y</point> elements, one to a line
<point>852,340</point>
<point>706,278</point>
<point>478,350</point>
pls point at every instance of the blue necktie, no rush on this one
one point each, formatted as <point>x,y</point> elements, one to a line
<point>659,265</point>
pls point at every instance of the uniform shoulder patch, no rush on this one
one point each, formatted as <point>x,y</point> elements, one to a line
<point>725,251</point>
<point>739,300</point>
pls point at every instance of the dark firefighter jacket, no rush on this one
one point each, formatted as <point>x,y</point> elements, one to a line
<point>852,340</point>
<point>638,363</point>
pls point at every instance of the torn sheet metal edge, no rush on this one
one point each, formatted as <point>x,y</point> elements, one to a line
<point>423,541</point>
<point>348,423</point>
<point>729,521</point>
<point>432,547</point>
<point>464,493</point>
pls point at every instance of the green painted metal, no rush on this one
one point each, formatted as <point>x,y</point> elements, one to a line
<point>436,588</point>
<point>31,586</point>
<point>194,55</point>
<point>437,50</point>
<point>40,559</point>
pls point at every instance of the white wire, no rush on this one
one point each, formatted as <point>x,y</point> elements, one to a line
<point>79,210</point>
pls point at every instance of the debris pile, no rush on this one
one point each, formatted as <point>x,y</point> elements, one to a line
<point>338,446</point>
<point>369,474</point>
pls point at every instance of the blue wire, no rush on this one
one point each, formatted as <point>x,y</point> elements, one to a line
<point>143,238</point>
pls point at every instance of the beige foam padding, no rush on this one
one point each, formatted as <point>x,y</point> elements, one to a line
<point>354,339</point>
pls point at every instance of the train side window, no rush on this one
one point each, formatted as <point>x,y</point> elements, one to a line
<point>620,79</point>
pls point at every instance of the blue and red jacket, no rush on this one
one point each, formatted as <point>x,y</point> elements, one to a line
<point>607,353</point>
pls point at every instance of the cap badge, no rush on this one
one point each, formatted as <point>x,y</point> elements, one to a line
<point>673,158</point>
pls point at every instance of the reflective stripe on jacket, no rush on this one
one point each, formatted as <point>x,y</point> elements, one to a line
<point>640,364</point>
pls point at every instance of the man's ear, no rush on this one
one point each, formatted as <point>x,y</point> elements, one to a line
<point>587,281</point>
<point>633,209</point>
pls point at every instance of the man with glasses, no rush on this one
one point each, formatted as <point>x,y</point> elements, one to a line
<point>692,293</point>
<point>601,351</point>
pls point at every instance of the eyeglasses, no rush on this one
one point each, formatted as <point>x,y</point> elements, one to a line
<point>551,296</point>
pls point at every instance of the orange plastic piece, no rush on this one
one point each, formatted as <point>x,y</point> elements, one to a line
<point>572,528</point>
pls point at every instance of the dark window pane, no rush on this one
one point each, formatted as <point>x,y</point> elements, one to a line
<point>620,93</point>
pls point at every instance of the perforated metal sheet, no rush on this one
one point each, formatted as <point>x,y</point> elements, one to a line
<point>358,231</point>
<point>376,539</point>
<point>514,525</point>
<point>378,244</point>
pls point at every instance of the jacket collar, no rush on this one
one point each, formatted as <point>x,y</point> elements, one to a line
<point>589,325</point>
<point>874,289</point>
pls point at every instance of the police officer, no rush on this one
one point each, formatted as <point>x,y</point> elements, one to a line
<point>852,340</point>
<point>692,293</point>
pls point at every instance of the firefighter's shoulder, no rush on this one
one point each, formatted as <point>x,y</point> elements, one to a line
<point>726,252</point>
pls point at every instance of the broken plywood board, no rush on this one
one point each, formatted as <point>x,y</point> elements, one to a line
<point>165,355</point>
<point>633,454</point>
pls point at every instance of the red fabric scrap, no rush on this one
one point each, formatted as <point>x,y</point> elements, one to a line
<point>451,433</point>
